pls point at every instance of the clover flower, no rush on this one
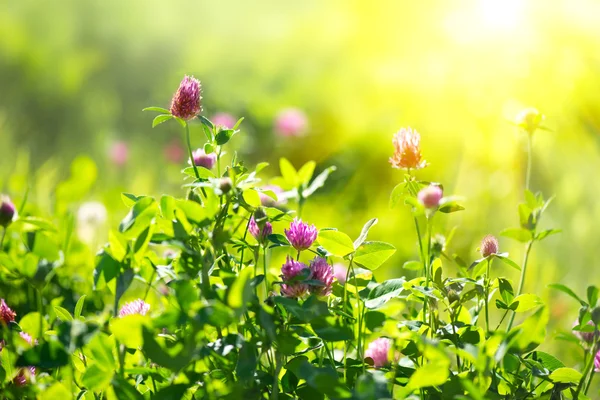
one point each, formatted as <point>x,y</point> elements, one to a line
<point>260,233</point>
<point>186,101</point>
<point>138,306</point>
<point>25,374</point>
<point>290,270</point>
<point>201,159</point>
<point>407,151</point>
<point>6,314</point>
<point>489,246</point>
<point>597,362</point>
<point>430,196</point>
<point>8,211</point>
<point>291,122</point>
<point>378,350</point>
<point>321,271</point>
<point>301,235</point>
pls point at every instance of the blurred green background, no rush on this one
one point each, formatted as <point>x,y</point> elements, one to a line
<point>75,75</point>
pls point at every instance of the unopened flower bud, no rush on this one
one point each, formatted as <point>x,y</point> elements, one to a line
<point>225,185</point>
<point>7,211</point>
<point>430,196</point>
<point>201,159</point>
<point>489,246</point>
<point>186,101</point>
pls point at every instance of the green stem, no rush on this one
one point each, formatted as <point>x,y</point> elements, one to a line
<point>521,281</point>
<point>588,367</point>
<point>2,238</point>
<point>487,297</point>
<point>589,382</point>
<point>265,271</point>
<point>189,146</point>
<point>360,312</point>
<point>428,271</point>
<point>244,248</point>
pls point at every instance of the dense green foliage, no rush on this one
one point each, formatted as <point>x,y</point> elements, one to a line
<point>187,300</point>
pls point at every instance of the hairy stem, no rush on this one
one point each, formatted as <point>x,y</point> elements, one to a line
<point>189,146</point>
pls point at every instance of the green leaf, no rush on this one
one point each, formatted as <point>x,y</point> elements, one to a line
<point>566,290</point>
<point>288,173</point>
<point>335,242</point>
<point>364,232</point>
<point>525,302</point>
<point>240,292</point>
<point>247,362</point>
<point>63,314</point>
<point>305,173</point>
<point>124,391</point>
<point>434,374</point>
<point>413,265</point>
<point>318,182</point>
<point>519,234</point>
<point>544,234</point>
<point>331,329</point>
<point>592,295</point>
<point>157,109</point>
<point>252,197</point>
<point>532,332</point>
<point>374,320</point>
<point>548,360</point>
<point>449,206</point>
<point>172,392</point>
<point>159,119</point>
<point>102,347</point>
<point>384,292</point>
<point>565,375</point>
<point>224,136</point>
<point>371,255</point>
<point>397,194</point>
<point>96,379</point>
<point>508,261</point>
<point>34,324</point>
<point>47,355</point>
<point>140,216</point>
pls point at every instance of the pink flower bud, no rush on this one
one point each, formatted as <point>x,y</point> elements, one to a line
<point>7,211</point>
<point>489,246</point>
<point>201,159</point>
<point>430,196</point>
<point>260,233</point>
<point>340,271</point>
<point>378,351</point>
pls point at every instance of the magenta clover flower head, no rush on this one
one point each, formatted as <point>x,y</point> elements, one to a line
<point>138,306</point>
<point>301,235</point>
<point>291,122</point>
<point>6,314</point>
<point>489,246</point>
<point>597,362</point>
<point>7,211</point>
<point>587,337</point>
<point>186,101</point>
<point>290,270</point>
<point>260,233</point>
<point>201,159</point>
<point>378,351</point>
<point>321,271</point>
<point>430,196</point>
<point>224,120</point>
